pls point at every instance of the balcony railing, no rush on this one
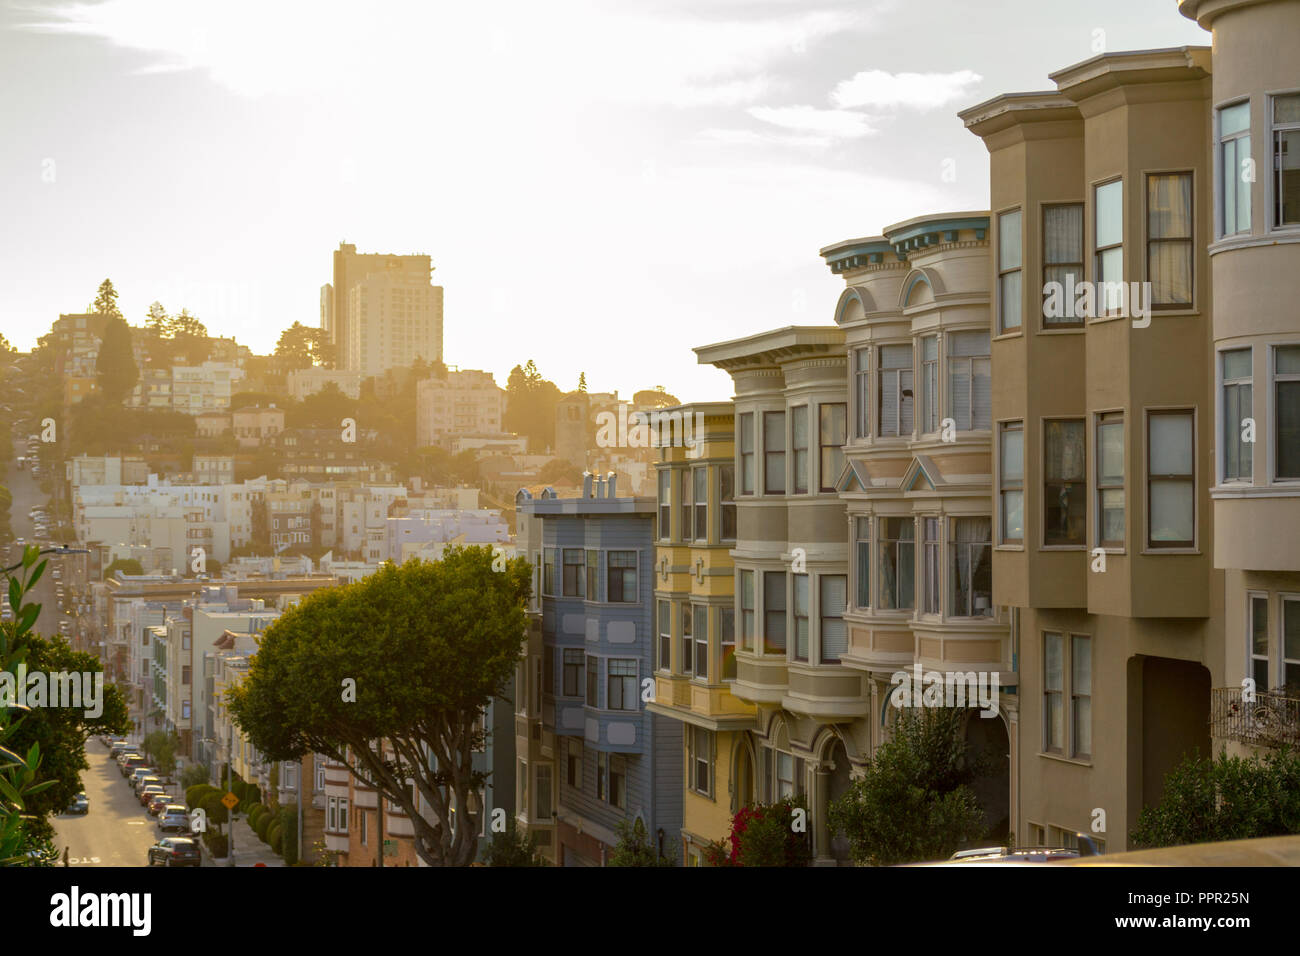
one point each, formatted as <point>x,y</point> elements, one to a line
<point>1271,720</point>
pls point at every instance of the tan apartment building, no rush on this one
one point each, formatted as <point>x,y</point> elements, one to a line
<point>791,575</point>
<point>1104,426</point>
<point>254,424</point>
<point>394,318</point>
<point>349,267</point>
<point>917,484</point>
<point>1253,222</point>
<point>465,402</point>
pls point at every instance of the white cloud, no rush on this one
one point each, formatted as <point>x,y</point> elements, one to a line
<point>840,124</point>
<point>923,91</point>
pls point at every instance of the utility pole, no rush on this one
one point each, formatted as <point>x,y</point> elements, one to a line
<point>230,779</point>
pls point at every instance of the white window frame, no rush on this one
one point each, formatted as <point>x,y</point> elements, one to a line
<point>1272,412</point>
<point>1222,384</point>
<point>1275,174</point>
<point>1221,173</point>
<point>1267,656</point>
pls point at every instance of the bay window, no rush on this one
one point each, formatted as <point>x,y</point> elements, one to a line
<point>897,564</point>
<point>1011,482</point>
<point>747,453</point>
<point>895,391</point>
<point>929,384</point>
<point>799,445</point>
<point>970,388</point>
<point>1169,239</point>
<point>862,392</point>
<point>1286,160</point>
<point>1110,480</point>
<point>970,567</point>
<point>774,608</point>
<point>862,556</point>
<point>1171,482</point>
<point>930,565</point>
<point>701,631</point>
<point>1062,259</point>
<point>832,423</point>
<point>1238,396</point>
<point>1009,257</point>
<point>1108,246</point>
<point>1064,487</point>
<point>833,598</point>
<point>1286,398</point>
<point>800,617</point>
<point>774,453</point>
<point>1233,187</point>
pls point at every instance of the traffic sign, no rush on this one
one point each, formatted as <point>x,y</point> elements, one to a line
<point>229,801</point>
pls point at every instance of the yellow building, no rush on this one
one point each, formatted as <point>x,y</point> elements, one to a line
<point>695,649</point>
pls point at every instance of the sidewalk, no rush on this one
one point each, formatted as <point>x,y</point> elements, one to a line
<point>249,850</point>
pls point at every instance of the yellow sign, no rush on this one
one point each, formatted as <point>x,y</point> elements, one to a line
<point>229,801</point>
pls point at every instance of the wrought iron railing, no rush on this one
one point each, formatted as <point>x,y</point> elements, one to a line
<point>1272,719</point>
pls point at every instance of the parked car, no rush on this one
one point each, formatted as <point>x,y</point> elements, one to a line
<point>125,753</point>
<point>151,790</point>
<point>174,818</point>
<point>132,763</point>
<point>142,778</point>
<point>80,804</point>
<point>175,851</point>
<point>158,802</point>
<point>142,770</point>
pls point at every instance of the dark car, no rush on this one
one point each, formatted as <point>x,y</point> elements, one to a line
<point>149,791</point>
<point>158,802</point>
<point>174,818</point>
<point>118,746</point>
<point>80,804</point>
<point>175,851</point>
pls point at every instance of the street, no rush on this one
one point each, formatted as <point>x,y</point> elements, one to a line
<point>27,495</point>
<point>117,831</point>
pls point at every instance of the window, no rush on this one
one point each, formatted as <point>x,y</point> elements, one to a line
<point>688,640</point>
<point>701,478</point>
<point>1110,480</point>
<point>929,384</point>
<point>365,828</point>
<point>343,813</point>
<point>930,565</point>
<point>602,774</point>
<point>1169,239</point>
<point>701,629</point>
<point>1286,397</point>
<point>185,709</point>
<point>747,610</point>
<point>727,500</point>
<point>592,667</point>
<point>833,423</point>
<point>1108,245</point>
<point>665,635</point>
<point>970,567</point>
<point>747,453</point>
<point>665,503</point>
<point>1062,260</point>
<point>688,507</point>
<point>774,453</point>
<point>785,776</point>
<point>621,584</point>
<point>574,661</point>
<point>1171,486</point>
<point>799,444</point>
<point>332,813</point>
<point>1258,663</point>
<point>593,571</point>
<point>862,392</point>
<point>1291,645</point>
<point>573,762</point>
<point>800,617</point>
<point>699,758</point>
<point>774,612</point>
<point>548,575</point>
<point>1011,482</point>
<point>970,392</point>
<point>727,641</point>
<point>895,390</point>
<point>544,786</point>
<point>897,564</point>
<point>618,781</point>
<point>1009,297</point>
<point>1064,485</point>
<point>862,555</point>
<point>1286,160</point>
<point>573,572</point>
<point>1080,697</point>
<point>1053,691</point>
<point>621,683</point>
<point>833,600</point>
<point>1238,397</point>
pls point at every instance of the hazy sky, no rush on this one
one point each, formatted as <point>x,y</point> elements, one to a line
<point>601,185</point>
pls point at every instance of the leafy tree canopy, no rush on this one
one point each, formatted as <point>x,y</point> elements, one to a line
<point>389,671</point>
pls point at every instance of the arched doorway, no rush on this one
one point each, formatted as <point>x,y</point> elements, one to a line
<point>837,784</point>
<point>742,776</point>
<point>988,736</point>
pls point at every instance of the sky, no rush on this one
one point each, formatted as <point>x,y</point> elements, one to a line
<point>602,185</point>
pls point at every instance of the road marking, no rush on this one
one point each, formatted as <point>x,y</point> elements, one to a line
<point>135,823</point>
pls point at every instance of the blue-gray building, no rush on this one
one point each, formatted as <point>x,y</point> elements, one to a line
<point>609,758</point>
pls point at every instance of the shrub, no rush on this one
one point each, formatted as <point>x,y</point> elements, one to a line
<point>253,812</point>
<point>217,843</point>
<point>916,801</point>
<point>254,794</point>
<point>634,847</point>
<point>193,776</point>
<point>264,821</point>
<point>773,834</point>
<point>512,848</point>
<point>195,795</point>
<point>289,833</point>
<point>1228,798</point>
<point>274,838</point>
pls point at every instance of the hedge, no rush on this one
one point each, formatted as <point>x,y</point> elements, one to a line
<point>216,843</point>
<point>276,843</point>
<point>289,833</point>
<point>195,795</point>
<point>264,821</point>
<point>273,835</point>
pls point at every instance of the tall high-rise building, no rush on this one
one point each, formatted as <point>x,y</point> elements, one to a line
<point>394,318</point>
<point>351,267</point>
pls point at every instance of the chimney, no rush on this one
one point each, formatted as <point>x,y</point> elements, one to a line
<point>611,480</point>
<point>586,484</point>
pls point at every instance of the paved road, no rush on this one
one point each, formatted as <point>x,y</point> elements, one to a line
<point>27,494</point>
<point>117,831</point>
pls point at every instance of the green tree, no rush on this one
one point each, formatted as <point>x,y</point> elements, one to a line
<point>582,382</point>
<point>1227,798</point>
<point>115,366</point>
<point>295,346</point>
<point>158,321</point>
<point>125,565</point>
<point>512,848</point>
<point>915,801</point>
<point>389,671</point>
<point>773,834</point>
<point>106,300</point>
<point>531,401</point>
<point>654,398</point>
<point>634,847</point>
<point>61,732</point>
